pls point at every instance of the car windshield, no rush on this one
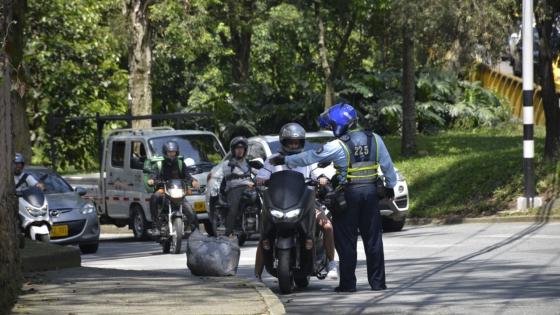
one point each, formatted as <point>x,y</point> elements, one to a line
<point>204,150</point>
<point>53,183</point>
<point>310,144</point>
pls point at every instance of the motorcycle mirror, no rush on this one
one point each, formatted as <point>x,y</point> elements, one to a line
<point>81,191</point>
<point>257,163</point>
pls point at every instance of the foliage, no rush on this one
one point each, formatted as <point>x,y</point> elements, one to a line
<point>75,69</point>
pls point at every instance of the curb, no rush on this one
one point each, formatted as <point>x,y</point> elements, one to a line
<point>493,219</point>
<point>273,303</point>
<point>38,256</point>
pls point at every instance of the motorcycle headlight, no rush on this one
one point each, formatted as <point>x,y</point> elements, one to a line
<point>277,214</point>
<point>88,208</point>
<point>36,212</point>
<point>292,213</point>
<point>176,193</point>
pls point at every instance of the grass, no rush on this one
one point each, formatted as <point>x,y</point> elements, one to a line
<point>469,172</point>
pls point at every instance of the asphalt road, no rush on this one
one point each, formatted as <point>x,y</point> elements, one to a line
<point>500,268</point>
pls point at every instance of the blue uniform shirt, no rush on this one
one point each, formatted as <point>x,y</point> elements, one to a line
<point>333,151</point>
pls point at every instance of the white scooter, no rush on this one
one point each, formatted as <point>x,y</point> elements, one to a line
<point>35,220</point>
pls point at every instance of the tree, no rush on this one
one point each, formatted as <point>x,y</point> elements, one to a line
<point>547,15</point>
<point>408,140</point>
<point>10,270</point>
<point>15,44</point>
<point>139,60</point>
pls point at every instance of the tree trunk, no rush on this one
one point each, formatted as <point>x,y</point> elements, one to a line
<point>14,48</point>
<point>324,55</point>
<point>241,42</point>
<point>139,61</point>
<point>10,270</point>
<point>408,144</point>
<point>548,92</point>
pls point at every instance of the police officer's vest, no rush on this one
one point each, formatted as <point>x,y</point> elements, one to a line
<point>157,161</point>
<point>362,156</point>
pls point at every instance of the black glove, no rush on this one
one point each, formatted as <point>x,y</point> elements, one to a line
<point>389,193</point>
<point>278,160</point>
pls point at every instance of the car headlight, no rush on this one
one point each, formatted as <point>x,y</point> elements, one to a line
<point>277,214</point>
<point>292,213</point>
<point>36,212</point>
<point>88,208</point>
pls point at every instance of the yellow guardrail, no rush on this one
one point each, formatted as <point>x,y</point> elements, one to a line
<point>511,88</point>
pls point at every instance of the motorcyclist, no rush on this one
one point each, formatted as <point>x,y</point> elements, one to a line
<point>170,166</point>
<point>23,180</point>
<point>292,140</point>
<point>237,177</point>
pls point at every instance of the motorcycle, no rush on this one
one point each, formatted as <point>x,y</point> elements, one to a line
<point>293,246</point>
<point>34,217</point>
<point>171,218</point>
<point>247,222</point>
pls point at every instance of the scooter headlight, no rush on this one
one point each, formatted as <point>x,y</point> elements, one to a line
<point>292,213</point>
<point>88,208</point>
<point>36,212</point>
<point>176,193</point>
<point>277,214</point>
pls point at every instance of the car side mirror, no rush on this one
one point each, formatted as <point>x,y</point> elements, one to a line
<point>81,191</point>
<point>257,163</point>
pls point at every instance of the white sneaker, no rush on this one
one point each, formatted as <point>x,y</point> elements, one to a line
<point>332,270</point>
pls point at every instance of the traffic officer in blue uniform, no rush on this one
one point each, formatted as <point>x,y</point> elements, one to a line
<point>357,154</point>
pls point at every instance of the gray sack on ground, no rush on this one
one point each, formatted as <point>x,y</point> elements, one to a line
<point>211,256</point>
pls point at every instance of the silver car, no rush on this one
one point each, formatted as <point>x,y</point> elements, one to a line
<point>74,219</point>
<point>394,212</point>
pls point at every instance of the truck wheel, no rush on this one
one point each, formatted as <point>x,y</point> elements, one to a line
<point>138,223</point>
<point>285,279</point>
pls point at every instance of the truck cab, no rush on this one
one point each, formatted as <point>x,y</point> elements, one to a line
<point>123,198</point>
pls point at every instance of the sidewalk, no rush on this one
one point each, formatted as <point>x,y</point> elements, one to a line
<point>81,290</point>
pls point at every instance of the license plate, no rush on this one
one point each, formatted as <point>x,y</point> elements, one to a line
<point>59,230</point>
<point>199,206</point>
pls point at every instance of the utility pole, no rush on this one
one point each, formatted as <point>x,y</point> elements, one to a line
<point>528,200</point>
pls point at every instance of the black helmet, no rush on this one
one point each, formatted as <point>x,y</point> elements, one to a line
<point>19,158</point>
<point>170,146</point>
<point>238,142</point>
<point>292,131</point>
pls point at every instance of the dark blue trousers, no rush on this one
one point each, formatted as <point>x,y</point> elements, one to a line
<point>363,214</point>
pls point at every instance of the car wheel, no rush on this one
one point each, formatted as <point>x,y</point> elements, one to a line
<point>45,238</point>
<point>138,223</point>
<point>390,225</point>
<point>89,248</point>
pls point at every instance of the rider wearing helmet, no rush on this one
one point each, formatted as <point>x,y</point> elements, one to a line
<point>357,154</point>
<point>170,166</point>
<point>237,177</point>
<point>23,180</point>
<point>292,141</point>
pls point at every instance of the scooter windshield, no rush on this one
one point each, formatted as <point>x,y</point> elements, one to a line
<point>286,189</point>
<point>34,196</point>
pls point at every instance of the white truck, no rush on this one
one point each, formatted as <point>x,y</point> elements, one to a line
<point>119,191</point>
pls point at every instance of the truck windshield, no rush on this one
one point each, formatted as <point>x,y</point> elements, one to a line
<point>205,150</point>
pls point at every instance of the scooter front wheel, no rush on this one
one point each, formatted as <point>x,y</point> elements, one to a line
<point>285,279</point>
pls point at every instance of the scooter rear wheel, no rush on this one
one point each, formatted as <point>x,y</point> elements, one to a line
<point>285,279</point>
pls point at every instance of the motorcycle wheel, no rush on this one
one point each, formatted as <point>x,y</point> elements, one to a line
<point>302,282</point>
<point>45,238</point>
<point>176,240</point>
<point>241,239</point>
<point>284,274</point>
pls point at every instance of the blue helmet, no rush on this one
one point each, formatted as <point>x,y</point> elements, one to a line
<point>339,117</point>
